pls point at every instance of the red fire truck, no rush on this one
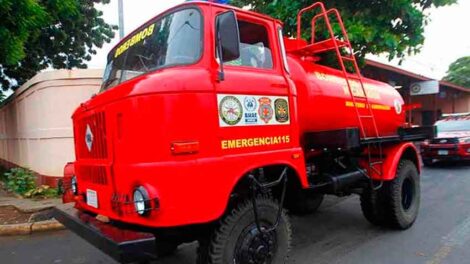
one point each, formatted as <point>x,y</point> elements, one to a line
<point>210,123</point>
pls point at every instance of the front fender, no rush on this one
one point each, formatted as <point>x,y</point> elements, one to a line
<point>393,154</point>
<point>69,172</point>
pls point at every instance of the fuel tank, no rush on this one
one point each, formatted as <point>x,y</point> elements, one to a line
<point>325,102</point>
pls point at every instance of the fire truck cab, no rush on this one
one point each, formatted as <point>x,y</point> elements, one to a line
<point>210,123</point>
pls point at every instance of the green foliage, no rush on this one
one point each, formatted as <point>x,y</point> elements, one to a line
<point>38,34</point>
<point>43,191</point>
<point>23,182</point>
<point>459,72</point>
<point>394,27</point>
<point>20,181</point>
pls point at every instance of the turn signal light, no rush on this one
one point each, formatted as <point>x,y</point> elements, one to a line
<point>189,147</point>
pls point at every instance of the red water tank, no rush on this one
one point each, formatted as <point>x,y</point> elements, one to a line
<point>325,103</point>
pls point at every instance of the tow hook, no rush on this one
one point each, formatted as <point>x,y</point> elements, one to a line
<point>256,187</point>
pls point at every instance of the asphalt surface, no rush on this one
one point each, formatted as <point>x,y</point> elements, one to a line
<point>338,233</point>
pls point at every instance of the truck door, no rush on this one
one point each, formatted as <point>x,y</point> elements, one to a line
<point>253,99</point>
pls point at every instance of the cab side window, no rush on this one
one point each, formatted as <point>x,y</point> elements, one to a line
<point>255,49</point>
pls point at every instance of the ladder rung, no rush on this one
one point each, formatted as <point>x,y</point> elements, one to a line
<point>366,116</point>
<point>375,163</point>
<point>348,58</point>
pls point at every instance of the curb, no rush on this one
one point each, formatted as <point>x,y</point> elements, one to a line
<point>30,228</point>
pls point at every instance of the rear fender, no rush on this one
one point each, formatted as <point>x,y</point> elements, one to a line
<point>393,154</point>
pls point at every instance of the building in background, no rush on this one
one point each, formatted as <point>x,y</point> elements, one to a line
<point>427,108</point>
<point>35,122</point>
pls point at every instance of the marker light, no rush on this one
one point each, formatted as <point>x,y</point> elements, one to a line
<point>73,185</point>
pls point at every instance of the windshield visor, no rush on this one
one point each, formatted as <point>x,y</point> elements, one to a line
<point>175,39</point>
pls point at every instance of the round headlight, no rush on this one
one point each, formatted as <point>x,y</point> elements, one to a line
<point>141,201</point>
<point>73,185</point>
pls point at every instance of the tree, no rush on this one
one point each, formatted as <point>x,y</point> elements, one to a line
<point>459,72</point>
<point>38,34</point>
<point>394,27</point>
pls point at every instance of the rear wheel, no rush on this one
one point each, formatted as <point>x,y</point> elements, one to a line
<point>372,207</point>
<point>237,239</point>
<point>396,204</point>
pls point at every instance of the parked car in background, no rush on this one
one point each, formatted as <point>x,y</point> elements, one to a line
<point>452,142</point>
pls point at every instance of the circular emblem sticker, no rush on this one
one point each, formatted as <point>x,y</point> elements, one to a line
<point>398,106</point>
<point>230,110</point>
<point>416,88</point>
<point>250,103</point>
<point>281,109</point>
<point>265,110</point>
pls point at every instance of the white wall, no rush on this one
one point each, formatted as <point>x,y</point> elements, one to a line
<point>36,126</point>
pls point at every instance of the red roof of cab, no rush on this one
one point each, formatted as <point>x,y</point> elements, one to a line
<point>251,13</point>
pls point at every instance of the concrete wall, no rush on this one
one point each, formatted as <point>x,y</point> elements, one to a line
<point>35,124</point>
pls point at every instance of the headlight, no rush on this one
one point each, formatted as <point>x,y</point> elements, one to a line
<point>73,185</point>
<point>141,201</point>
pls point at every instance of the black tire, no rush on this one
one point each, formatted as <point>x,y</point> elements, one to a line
<point>304,203</point>
<point>236,234</point>
<point>372,207</point>
<point>402,196</point>
<point>396,204</point>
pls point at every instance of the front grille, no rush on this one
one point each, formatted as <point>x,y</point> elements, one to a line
<point>92,174</point>
<point>445,141</point>
<point>97,149</point>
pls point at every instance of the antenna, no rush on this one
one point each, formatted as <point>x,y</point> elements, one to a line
<point>121,19</point>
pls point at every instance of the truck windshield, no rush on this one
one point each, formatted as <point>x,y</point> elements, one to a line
<point>454,125</point>
<point>174,39</point>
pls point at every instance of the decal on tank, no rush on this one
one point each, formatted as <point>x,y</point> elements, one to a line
<point>373,106</point>
<point>373,91</point>
<point>252,110</point>
<point>398,106</point>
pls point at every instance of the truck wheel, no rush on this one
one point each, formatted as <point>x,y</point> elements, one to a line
<point>237,239</point>
<point>303,203</point>
<point>402,196</point>
<point>396,204</point>
<point>372,207</point>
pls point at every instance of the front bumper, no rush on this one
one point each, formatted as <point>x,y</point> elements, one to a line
<point>123,245</point>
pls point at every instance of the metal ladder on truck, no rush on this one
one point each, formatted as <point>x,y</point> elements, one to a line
<point>370,137</point>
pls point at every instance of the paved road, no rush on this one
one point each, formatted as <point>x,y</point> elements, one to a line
<point>336,234</point>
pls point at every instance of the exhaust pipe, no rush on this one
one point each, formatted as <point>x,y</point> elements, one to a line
<point>341,182</point>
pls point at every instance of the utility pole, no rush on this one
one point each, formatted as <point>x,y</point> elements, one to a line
<point>121,19</point>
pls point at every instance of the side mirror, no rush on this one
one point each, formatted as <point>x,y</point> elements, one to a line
<point>228,37</point>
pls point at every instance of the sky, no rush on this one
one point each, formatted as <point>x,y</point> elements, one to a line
<point>447,36</point>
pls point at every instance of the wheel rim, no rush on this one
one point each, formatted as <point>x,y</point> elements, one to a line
<point>254,247</point>
<point>407,194</point>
